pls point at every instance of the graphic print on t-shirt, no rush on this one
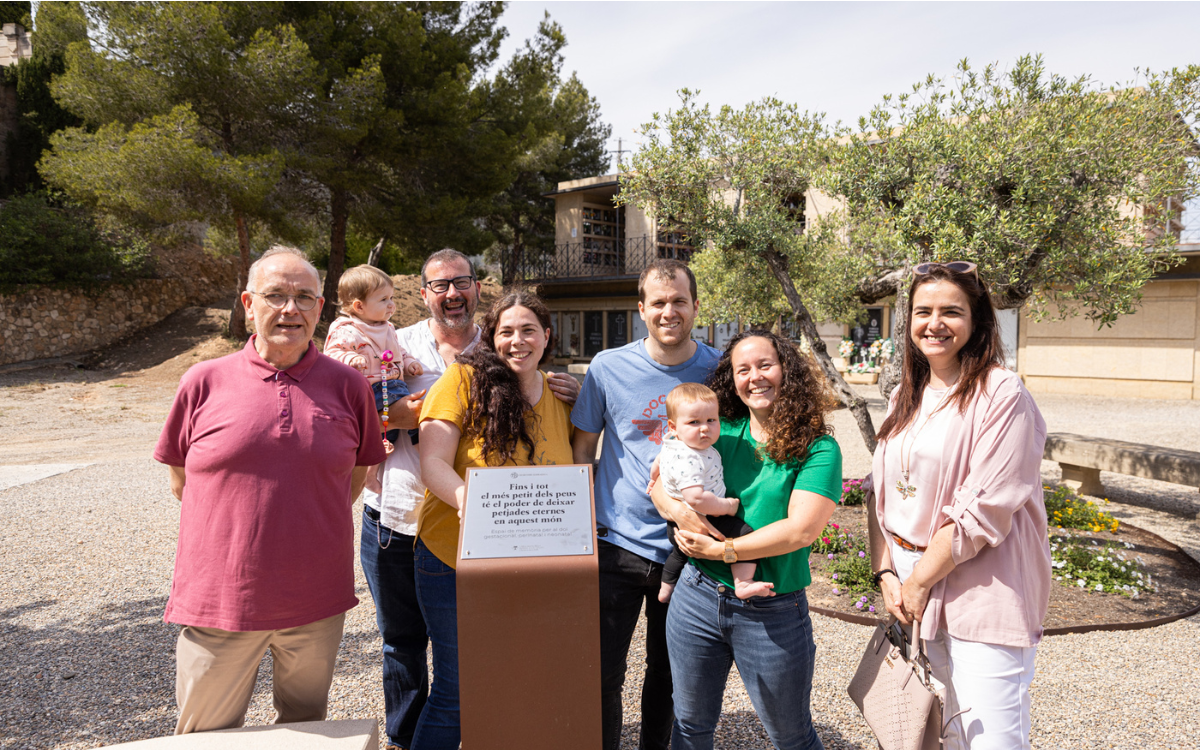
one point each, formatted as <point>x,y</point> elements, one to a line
<point>653,425</point>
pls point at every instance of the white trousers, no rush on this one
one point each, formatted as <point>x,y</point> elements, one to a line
<point>990,680</point>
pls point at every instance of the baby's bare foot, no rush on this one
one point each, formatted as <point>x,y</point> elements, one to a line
<point>664,592</point>
<point>749,589</point>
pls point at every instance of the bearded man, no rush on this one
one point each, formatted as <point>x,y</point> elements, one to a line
<point>450,290</point>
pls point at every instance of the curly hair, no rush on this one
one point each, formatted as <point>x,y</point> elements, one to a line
<point>798,416</point>
<point>497,412</point>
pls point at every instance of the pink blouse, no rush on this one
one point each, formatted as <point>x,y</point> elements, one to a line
<point>990,489</point>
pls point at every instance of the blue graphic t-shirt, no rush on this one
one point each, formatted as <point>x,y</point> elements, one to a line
<point>625,396</point>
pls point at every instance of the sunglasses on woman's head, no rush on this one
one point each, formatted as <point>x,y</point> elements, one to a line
<point>958,266</point>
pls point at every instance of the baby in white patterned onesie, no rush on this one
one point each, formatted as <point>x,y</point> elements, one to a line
<point>690,470</point>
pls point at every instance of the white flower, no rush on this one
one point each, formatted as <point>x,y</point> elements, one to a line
<point>1099,587</point>
<point>1081,583</point>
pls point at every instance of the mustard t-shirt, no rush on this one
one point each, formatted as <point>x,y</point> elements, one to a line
<point>437,522</point>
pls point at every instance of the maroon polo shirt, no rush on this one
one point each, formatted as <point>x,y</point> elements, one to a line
<point>266,537</point>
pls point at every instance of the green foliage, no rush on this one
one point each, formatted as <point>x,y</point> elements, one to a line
<point>1048,184</point>
<point>16,11</point>
<point>833,540</point>
<point>852,574</point>
<point>394,259</point>
<point>38,115</point>
<point>47,244</point>
<point>1096,568</point>
<point>730,182</point>
<point>557,135</point>
<point>159,172</point>
<point>194,106</point>
<point>852,492</point>
<point>1067,510</point>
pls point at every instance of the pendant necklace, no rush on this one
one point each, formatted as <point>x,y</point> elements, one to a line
<point>903,486</point>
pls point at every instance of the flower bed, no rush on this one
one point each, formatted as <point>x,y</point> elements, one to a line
<point>1129,575</point>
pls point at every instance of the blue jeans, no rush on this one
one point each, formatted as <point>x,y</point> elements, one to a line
<point>397,389</point>
<point>770,640</point>
<point>387,562</point>
<point>437,591</point>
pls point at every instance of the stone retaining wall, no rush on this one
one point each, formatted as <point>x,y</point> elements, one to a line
<point>43,322</point>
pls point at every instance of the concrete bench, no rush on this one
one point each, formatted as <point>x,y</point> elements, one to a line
<point>350,734</point>
<point>1083,458</point>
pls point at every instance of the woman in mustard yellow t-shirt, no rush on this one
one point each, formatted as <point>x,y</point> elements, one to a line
<point>492,407</point>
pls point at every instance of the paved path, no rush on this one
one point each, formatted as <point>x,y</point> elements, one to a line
<point>86,557</point>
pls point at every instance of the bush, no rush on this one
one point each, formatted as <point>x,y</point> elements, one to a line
<point>49,245</point>
<point>1095,568</point>
<point>833,540</point>
<point>1067,510</point>
<point>852,492</point>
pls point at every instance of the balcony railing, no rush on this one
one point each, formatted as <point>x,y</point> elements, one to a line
<point>588,260</point>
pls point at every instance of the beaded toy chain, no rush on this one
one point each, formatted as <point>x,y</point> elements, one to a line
<point>387,358</point>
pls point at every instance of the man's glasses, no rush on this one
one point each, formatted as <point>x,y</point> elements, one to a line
<point>461,283</point>
<point>304,302</point>
<point>958,266</point>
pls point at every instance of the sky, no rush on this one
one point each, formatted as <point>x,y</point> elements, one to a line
<point>839,58</point>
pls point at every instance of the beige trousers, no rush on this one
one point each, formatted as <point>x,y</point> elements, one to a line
<point>215,671</point>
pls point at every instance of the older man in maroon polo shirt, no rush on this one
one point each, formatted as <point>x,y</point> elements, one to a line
<point>267,449</point>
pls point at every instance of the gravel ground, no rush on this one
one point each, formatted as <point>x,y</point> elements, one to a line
<point>86,661</point>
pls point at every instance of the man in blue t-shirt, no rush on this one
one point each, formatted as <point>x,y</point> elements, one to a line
<point>624,395</point>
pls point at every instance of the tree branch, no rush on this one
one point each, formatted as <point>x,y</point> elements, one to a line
<point>857,404</point>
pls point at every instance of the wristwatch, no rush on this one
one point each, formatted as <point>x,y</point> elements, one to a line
<point>730,552</point>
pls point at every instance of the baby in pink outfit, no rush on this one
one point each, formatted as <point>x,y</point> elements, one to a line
<point>363,334</point>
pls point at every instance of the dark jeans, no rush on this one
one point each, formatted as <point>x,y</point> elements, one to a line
<point>437,590</point>
<point>626,581</point>
<point>389,574</point>
<point>731,526</point>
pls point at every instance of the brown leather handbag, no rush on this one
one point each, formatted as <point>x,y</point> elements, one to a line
<point>893,690</point>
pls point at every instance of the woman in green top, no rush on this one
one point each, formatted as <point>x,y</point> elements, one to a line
<point>781,462</point>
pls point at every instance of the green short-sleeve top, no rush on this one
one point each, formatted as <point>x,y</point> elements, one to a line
<point>765,489</point>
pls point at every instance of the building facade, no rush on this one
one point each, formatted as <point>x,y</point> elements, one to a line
<point>15,46</point>
<point>590,285</point>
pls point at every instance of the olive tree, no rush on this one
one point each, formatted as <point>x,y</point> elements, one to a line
<point>1061,191</point>
<point>732,182</point>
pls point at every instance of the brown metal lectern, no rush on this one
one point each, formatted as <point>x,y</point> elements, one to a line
<point>529,651</point>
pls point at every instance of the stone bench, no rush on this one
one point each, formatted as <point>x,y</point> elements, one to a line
<point>1083,458</point>
<point>349,734</point>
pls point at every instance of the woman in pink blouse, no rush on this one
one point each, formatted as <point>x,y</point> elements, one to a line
<point>958,525</point>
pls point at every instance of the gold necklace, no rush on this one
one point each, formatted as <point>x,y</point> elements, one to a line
<point>903,486</point>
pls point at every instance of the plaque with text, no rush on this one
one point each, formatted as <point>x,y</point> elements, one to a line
<point>593,333</point>
<point>527,511</point>
<point>618,333</point>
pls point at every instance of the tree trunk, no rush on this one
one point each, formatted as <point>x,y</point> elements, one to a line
<point>339,210</point>
<point>237,314</point>
<point>376,252</point>
<point>857,404</point>
<point>892,373</point>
